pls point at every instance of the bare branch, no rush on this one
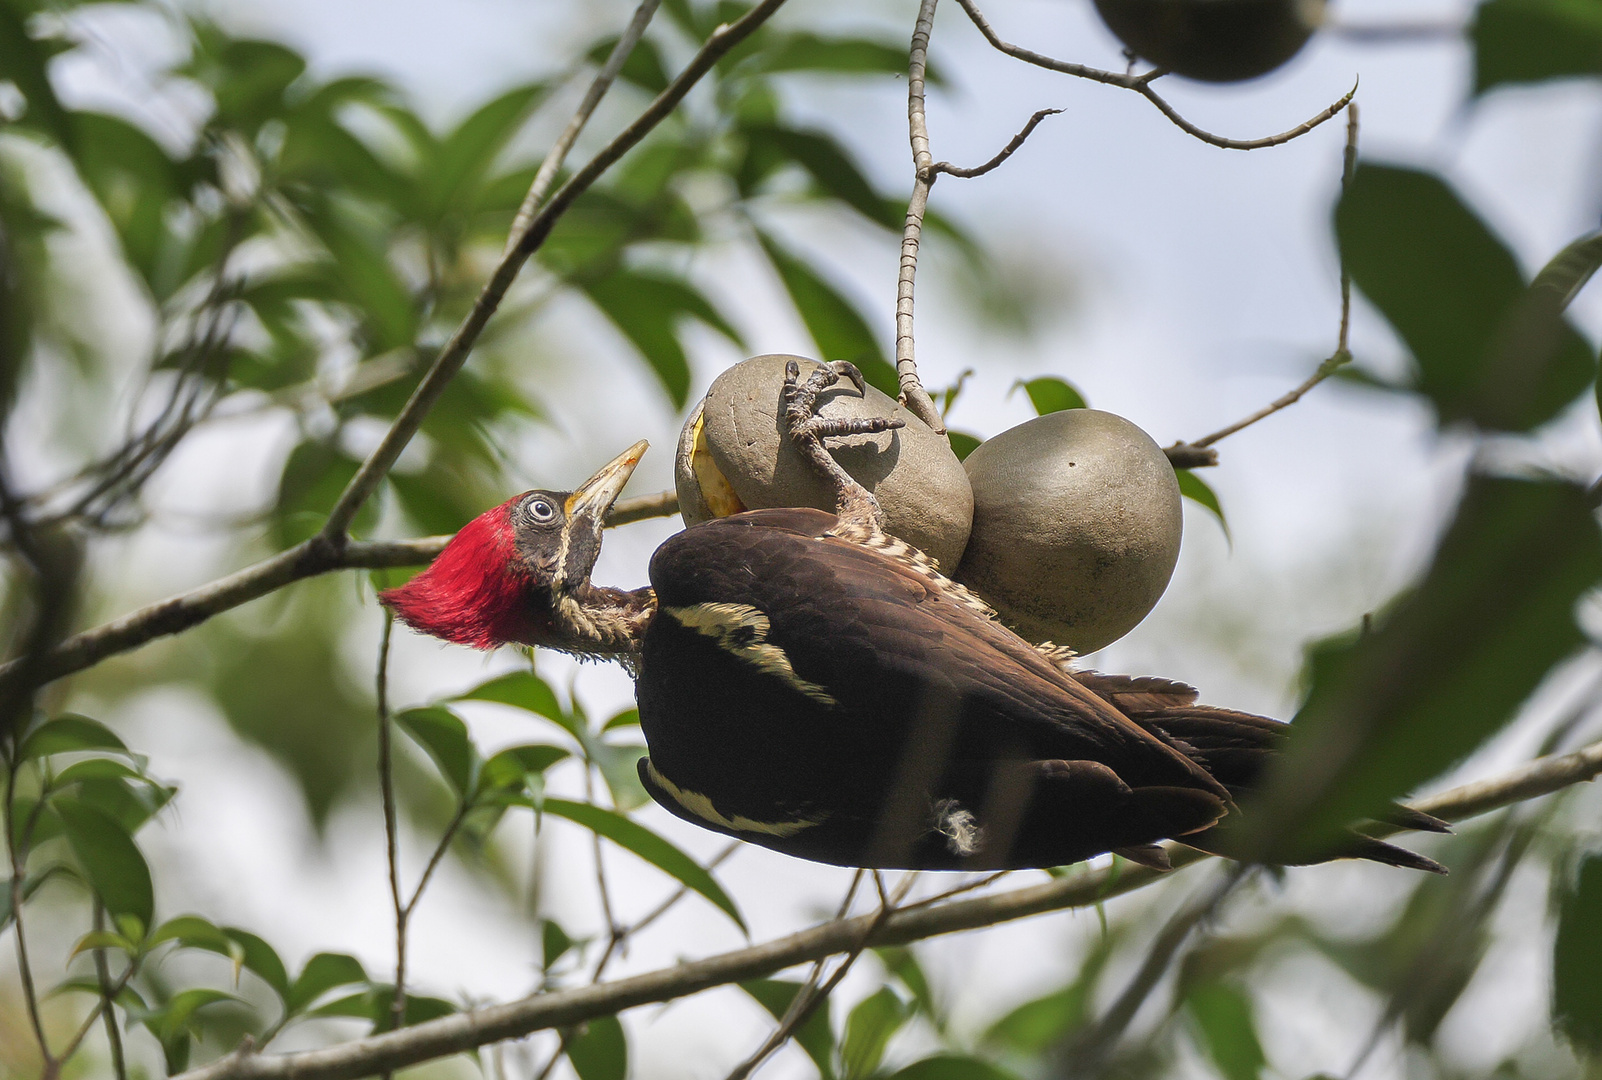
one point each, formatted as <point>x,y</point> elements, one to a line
<point>309,559</point>
<point>1006,151</point>
<point>1141,84</point>
<point>386,788</point>
<point>465,1031</point>
<point>912,392</point>
<point>564,142</point>
<point>455,351</point>
<point>1341,356</point>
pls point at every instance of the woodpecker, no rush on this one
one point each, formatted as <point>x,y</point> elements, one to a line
<point>811,684</point>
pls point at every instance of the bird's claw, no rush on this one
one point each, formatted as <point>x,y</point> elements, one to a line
<point>801,403</point>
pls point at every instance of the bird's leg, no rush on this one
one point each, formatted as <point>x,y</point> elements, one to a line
<point>854,504</point>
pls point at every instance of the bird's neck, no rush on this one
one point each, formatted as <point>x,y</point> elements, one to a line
<point>598,620</point>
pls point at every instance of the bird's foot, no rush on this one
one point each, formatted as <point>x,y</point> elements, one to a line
<point>854,504</point>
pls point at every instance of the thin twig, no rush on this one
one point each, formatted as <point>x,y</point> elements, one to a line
<point>565,1008</point>
<point>552,165</point>
<point>1141,84</point>
<point>119,1065</point>
<point>455,351</point>
<point>309,559</point>
<point>913,394</point>
<point>16,853</point>
<point>386,787</point>
<point>1006,151</point>
<point>1338,359</point>
<point>1090,1049</point>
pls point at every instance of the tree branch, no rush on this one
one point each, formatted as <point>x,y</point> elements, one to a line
<point>913,394</point>
<point>1006,151</point>
<point>309,559</point>
<point>1141,84</point>
<point>466,1031</point>
<point>455,351</point>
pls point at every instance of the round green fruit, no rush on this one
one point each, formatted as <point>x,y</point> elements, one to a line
<point>733,455</point>
<point>1213,40</point>
<point>1076,527</point>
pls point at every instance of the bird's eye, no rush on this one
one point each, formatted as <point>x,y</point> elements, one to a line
<point>540,511</point>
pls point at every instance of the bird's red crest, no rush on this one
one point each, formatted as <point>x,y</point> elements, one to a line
<point>475,592</point>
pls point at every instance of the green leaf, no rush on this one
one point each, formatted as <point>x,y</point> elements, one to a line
<point>443,735</point>
<point>67,733</point>
<point>110,859</point>
<point>261,958</point>
<point>322,973</point>
<point>845,56</point>
<point>1568,271</point>
<point>1523,41</point>
<point>869,1027</point>
<point>103,939</point>
<point>96,769</point>
<point>1223,1015</point>
<point>1487,349</point>
<point>554,943</point>
<point>1196,489</point>
<point>512,767</point>
<point>194,932</point>
<point>816,1033</point>
<point>962,443</point>
<point>23,63</point>
<point>626,718</point>
<point>527,691</point>
<point>837,329</point>
<point>464,156</point>
<point>1049,394</point>
<point>172,1023</point>
<point>831,167</point>
<point>648,308</point>
<point>643,67</point>
<point>901,963</point>
<point>1445,668</point>
<point>373,1004</point>
<point>600,1051</point>
<point>636,838</point>
<point>1035,1026</point>
<point>30,885</point>
<point>952,1067</point>
<point>1577,960</point>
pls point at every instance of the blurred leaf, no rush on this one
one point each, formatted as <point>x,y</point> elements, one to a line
<point>820,156</point>
<point>634,837</point>
<point>643,67</point>
<point>1521,41</point>
<point>102,939</point>
<point>66,733</point>
<point>261,958</point>
<point>1049,394</point>
<point>1488,350</point>
<point>110,860</point>
<point>1577,960</point>
<point>648,308</point>
<point>247,78</point>
<point>1035,1026</point>
<point>465,155</point>
<point>527,691</point>
<point>625,719</point>
<point>373,1004</point>
<point>322,973</point>
<point>554,943</point>
<point>1223,1015</point>
<point>837,329</point>
<point>30,885</point>
<point>1567,272</point>
<point>600,1051</point>
<point>172,1024</point>
<point>809,52</point>
<point>442,733</point>
<point>901,963</point>
<point>195,932</point>
<point>869,1027</point>
<point>135,182</point>
<point>23,62</point>
<point>815,1035</point>
<point>96,769</point>
<point>952,1067</point>
<point>513,766</point>
<point>962,444</point>
<point>314,476</point>
<point>1196,489</point>
<point>1446,667</point>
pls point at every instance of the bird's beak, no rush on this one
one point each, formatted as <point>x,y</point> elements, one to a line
<point>597,494</point>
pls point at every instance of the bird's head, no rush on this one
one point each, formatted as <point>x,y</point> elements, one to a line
<point>520,573</point>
